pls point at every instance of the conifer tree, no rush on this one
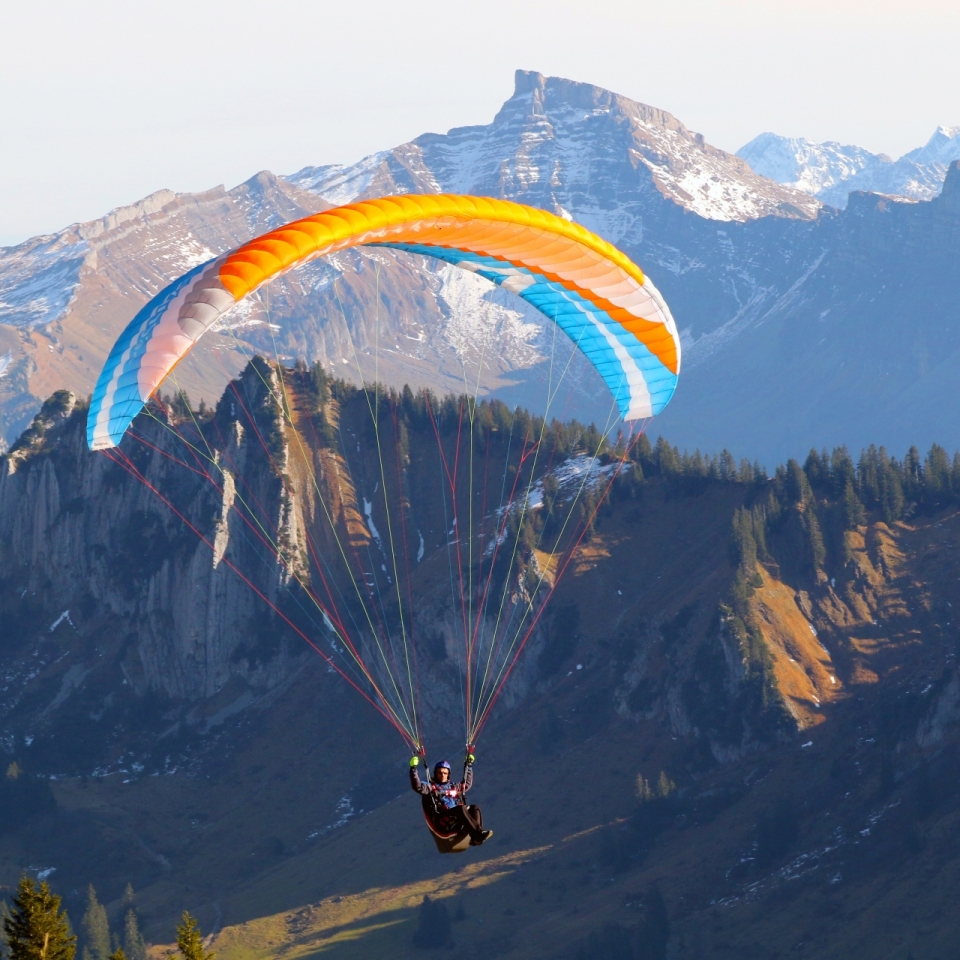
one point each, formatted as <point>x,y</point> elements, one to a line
<point>667,458</point>
<point>665,786</point>
<point>891,487</point>
<point>912,475</point>
<point>118,954</point>
<point>728,466</point>
<point>842,470</point>
<point>644,790</point>
<point>37,929</point>
<point>937,478</point>
<point>818,551</point>
<point>434,929</point>
<point>190,940</point>
<point>813,467</point>
<point>853,512</point>
<point>642,451</point>
<point>4,917</point>
<point>868,476</point>
<point>129,897</point>
<point>133,946</point>
<point>96,929</point>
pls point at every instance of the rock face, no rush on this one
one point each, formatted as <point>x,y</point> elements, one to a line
<point>86,539</point>
<point>219,546</point>
<point>814,168</point>
<point>66,297</point>
<point>214,548</point>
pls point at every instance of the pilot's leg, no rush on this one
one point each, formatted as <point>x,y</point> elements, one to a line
<point>473,821</point>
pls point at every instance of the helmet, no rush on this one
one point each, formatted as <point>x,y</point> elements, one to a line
<point>442,765</point>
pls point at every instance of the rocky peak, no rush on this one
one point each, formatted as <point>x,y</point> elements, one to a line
<point>941,148</point>
<point>561,144</point>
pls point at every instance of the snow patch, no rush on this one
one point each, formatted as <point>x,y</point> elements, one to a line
<point>63,616</point>
<point>483,322</point>
<point>371,526</point>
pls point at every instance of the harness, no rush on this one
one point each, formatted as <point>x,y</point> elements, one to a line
<point>446,796</point>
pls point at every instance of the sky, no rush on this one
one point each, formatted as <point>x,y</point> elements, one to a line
<point>107,101</point>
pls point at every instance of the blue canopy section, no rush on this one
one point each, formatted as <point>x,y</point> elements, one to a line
<point>116,399</point>
<point>595,333</point>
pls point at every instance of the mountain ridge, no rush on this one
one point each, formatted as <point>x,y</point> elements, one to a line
<point>615,165</point>
<point>831,171</point>
<point>549,111</point>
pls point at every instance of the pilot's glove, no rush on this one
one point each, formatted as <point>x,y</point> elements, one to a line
<point>414,761</point>
<point>470,759</point>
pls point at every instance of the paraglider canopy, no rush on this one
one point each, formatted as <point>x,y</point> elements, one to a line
<point>591,290</point>
<point>506,523</point>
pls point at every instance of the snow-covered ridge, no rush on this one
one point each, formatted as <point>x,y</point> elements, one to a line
<point>804,164</point>
<point>831,170</point>
<point>568,146</point>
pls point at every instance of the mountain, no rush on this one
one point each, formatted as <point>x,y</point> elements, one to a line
<point>752,271</point>
<point>749,740</point>
<point>632,172</point>
<point>861,348</point>
<point>832,171</point>
<point>64,298</point>
<point>562,145</point>
<point>805,165</point>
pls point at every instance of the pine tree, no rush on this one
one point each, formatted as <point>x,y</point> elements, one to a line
<point>665,786</point>
<point>912,475</point>
<point>937,481</point>
<point>796,485</point>
<point>190,940</point>
<point>891,487</point>
<point>667,458</point>
<point>813,467</point>
<point>129,897</point>
<point>818,552</point>
<point>434,929</point>
<point>96,929</point>
<point>853,512</point>
<point>644,790</point>
<point>642,452</point>
<point>842,470</point>
<point>133,946</point>
<point>4,917</point>
<point>868,476</point>
<point>37,929</point>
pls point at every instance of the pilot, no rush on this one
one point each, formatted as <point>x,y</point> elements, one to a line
<point>443,800</point>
